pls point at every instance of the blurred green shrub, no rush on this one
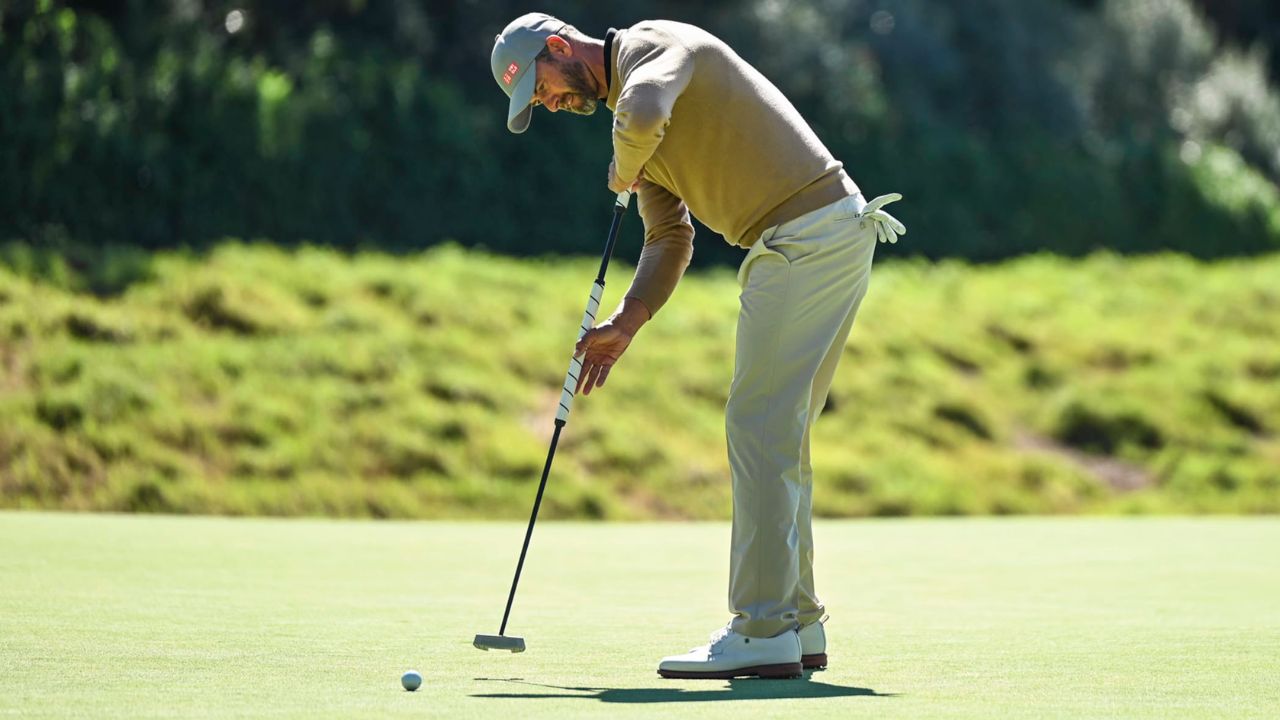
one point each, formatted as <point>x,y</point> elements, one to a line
<point>1012,127</point>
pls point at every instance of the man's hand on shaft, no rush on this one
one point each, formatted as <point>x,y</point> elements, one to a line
<point>604,344</point>
<point>616,183</point>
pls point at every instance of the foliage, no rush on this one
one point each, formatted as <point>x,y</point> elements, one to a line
<point>1011,127</point>
<point>262,381</point>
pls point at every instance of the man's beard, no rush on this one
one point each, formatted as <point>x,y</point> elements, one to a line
<point>581,98</point>
<point>579,104</point>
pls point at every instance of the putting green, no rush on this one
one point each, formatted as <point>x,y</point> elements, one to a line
<point>119,616</point>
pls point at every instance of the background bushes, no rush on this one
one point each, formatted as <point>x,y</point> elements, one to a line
<point>1011,127</point>
<point>326,364</point>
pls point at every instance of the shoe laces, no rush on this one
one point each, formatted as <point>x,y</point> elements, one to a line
<point>717,638</point>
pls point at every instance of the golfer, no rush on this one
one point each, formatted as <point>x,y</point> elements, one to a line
<point>697,129</point>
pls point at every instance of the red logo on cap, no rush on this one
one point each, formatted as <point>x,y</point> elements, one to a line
<point>510,73</point>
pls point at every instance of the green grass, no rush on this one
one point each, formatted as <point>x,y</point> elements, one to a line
<point>158,616</point>
<point>260,381</point>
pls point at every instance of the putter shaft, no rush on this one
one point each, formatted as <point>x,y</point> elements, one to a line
<point>533,517</point>
<point>566,399</point>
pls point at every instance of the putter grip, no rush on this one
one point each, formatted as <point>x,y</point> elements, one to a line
<point>575,365</point>
<point>624,199</point>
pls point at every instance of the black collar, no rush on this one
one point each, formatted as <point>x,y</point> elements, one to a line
<point>608,59</point>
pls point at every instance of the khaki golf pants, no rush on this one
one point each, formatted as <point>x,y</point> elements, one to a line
<point>802,283</point>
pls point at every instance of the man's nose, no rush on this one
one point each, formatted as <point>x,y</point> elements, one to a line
<point>553,103</point>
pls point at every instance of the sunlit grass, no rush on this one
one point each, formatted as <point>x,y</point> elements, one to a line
<point>109,616</point>
<point>257,380</point>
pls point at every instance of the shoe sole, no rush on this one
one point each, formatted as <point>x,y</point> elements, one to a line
<point>779,671</point>
<point>816,661</point>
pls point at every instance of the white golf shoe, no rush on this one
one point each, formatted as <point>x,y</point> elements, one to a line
<point>813,645</point>
<point>730,655</point>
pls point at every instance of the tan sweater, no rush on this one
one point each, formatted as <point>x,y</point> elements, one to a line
<point>713,136</point>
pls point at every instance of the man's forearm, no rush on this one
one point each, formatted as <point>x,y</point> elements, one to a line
<point>630,315</point>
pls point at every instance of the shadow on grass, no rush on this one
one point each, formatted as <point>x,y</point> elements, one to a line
<point>753,689</point>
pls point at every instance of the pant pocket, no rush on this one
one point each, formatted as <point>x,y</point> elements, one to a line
<point>757,251</point>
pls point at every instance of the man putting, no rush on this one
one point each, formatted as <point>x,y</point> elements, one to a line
<point>698,129</point>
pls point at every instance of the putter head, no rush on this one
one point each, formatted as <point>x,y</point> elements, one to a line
<point>499,642</point>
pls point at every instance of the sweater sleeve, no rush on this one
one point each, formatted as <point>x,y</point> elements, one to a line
<point>652,78</point>
<point>668,246</point>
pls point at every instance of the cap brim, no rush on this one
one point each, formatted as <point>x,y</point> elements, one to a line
<point>520,111</point>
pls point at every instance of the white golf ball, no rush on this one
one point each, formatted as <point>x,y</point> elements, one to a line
<point>411,680</point>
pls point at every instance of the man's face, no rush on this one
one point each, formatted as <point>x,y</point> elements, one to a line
<point>564,84</point>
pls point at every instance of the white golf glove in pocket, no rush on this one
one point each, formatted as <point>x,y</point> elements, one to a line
<point>888,227</point>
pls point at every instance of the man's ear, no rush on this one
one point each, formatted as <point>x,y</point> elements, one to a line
<point>559,46</point>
